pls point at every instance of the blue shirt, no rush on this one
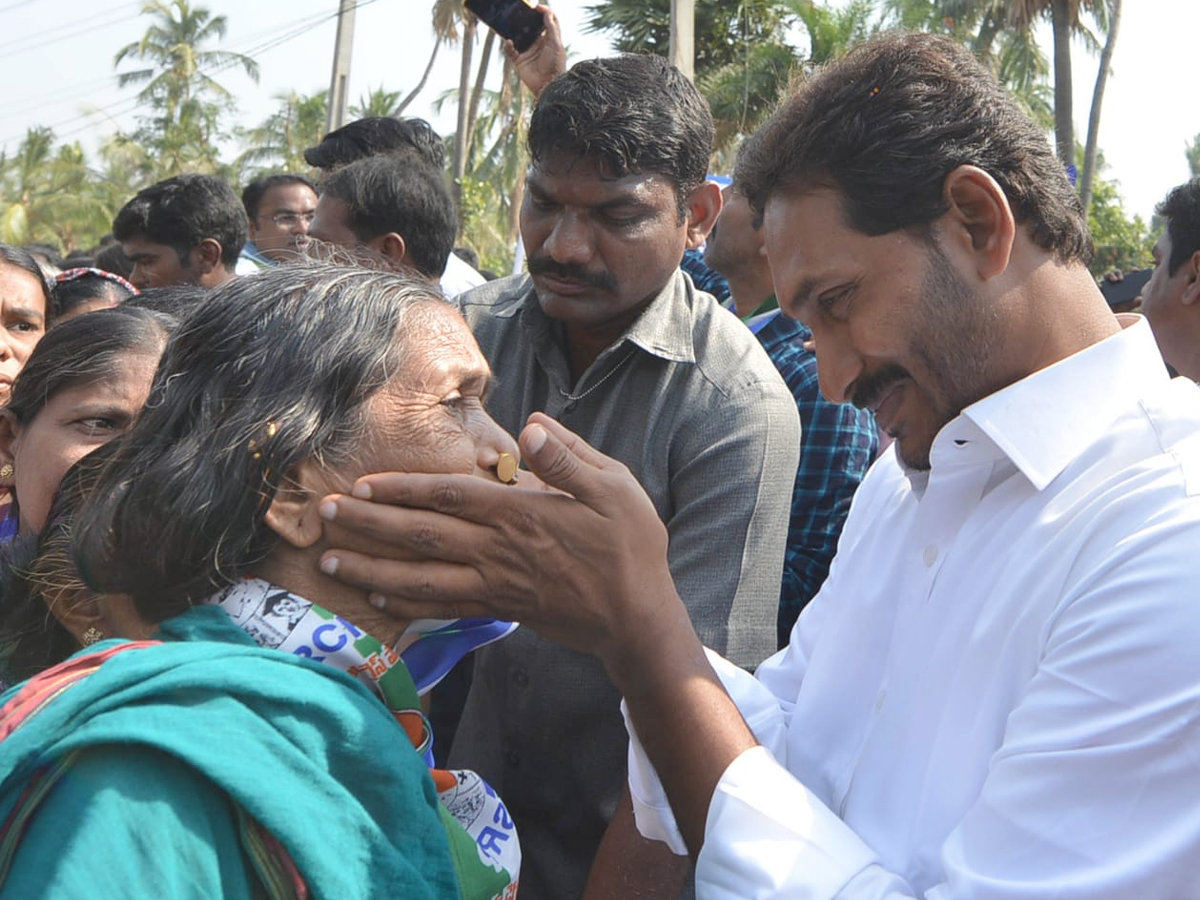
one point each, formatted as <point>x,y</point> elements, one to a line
<point>837,444</point>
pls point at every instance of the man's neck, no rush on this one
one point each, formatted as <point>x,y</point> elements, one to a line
<point>586,342</point>
<point>749,292</point>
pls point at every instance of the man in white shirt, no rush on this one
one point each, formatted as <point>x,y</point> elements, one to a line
<point>996,693</point>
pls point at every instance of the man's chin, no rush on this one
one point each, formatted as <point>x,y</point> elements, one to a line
<point>914,453</point>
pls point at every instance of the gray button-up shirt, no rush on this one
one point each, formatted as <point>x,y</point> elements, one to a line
<point>690,402</point>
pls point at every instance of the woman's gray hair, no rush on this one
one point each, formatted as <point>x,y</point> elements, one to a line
<point>271,370</point>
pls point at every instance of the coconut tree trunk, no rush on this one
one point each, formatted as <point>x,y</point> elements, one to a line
<point>464,93</point>
<point>420,84</point>
<point>1064,126</point>
<point>1093,135</point>
<point>477,93</point>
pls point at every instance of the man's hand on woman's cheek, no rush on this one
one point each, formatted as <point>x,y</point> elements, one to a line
<point>581,563</point>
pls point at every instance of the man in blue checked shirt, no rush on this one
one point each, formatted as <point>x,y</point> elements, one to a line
<point>837,441</point>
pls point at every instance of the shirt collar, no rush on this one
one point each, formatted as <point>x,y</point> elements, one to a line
<point>664,329</point>
<point>1045,421</point>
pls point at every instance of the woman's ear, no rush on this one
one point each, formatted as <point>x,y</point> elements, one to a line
<point>293,512</point>
<point>80,613</point>
<point>9,431</point>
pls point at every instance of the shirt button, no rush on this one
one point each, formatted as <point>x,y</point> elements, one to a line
<point>930,555</point>
<point>512,758</point>
<point>521,677</point>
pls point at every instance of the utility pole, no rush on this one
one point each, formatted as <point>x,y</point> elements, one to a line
<point>339,82</point>
<point>683,22</point>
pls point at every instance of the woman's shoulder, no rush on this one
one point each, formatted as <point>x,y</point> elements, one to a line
<point>98,816</point>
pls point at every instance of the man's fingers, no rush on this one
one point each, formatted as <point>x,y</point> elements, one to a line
<point>387,529</point>
<point>467,497</point>
<point>426,589</point>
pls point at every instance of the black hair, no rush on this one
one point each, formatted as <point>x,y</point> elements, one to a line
<point>49,254</point>
<point>631,114</point>
<point>111,258</point>
<point>22,259</point>
<point>1181,209</point>
<point>377,136</point>
<point>253,193</point>
<point>85,349</point>
<point>88,286</point>
<point>386,194</point>
<point>888,122</point>
<point>177,300</point>
<point>274,370</point>
<point>183,211</point>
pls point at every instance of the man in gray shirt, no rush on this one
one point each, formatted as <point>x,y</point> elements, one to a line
<point>608,336</point>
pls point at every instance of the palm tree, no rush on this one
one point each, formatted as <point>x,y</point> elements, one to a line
<point>378,102</point>
<point>51,195</point>
<point>179,89</point>
<point>278,144</point>
<point>1093,136</point>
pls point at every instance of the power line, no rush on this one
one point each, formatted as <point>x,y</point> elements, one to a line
<point>55,34</point>
<point>122,107</point>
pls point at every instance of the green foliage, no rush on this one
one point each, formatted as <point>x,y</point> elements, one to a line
<point>279,142</point>
<point>183,103</point>
<point>50,195</point>
<point>1121,242</point>
<point>1193,156</point>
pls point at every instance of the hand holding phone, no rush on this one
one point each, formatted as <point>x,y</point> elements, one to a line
<point>514,20</point>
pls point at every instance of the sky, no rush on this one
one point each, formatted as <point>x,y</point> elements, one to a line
<point>56,58</point>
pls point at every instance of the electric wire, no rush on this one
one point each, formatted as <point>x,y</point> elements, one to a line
<point>124,106</point>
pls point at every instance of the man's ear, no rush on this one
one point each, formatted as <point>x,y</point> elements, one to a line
<point>252,229</point>
<point>293,511</point>
<point>390,245</point>
<point>9,430</point>
<point>1191,288</point>
<point>703,207</point>
<point>979,220</point>
<point>206,256</point>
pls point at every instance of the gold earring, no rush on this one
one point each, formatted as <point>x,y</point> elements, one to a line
<point>6,470</point>
<point>92,635</point>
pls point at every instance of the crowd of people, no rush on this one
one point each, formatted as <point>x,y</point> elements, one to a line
<point>823,533</point>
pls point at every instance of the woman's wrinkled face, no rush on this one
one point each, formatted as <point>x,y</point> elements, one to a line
<point>73,423</point>
<point>430,417</point>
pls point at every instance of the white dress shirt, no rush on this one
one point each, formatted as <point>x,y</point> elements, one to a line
<point>459,276</point>
<point>996,694</point>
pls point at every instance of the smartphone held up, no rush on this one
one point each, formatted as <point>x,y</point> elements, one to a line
<point>515,20</point>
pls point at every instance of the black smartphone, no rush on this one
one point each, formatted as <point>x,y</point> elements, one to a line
<point>512,19</point>
<point>1118,292</point>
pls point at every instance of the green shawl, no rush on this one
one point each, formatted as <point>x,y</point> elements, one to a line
<point>303,749</point>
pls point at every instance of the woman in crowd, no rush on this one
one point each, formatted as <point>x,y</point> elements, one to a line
<point>265,741</point>
<point>83,385</point>
<point>26,308</point>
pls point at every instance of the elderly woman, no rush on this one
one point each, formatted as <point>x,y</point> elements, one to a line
<point>256,738</point>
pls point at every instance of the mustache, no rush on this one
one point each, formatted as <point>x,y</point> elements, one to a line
<point>544,265</point>
<point>870,390</point>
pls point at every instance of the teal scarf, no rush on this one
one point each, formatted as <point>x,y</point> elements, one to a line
<point>278,734</point>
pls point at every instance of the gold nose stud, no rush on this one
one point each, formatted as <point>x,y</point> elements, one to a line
<point>506,468</point>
